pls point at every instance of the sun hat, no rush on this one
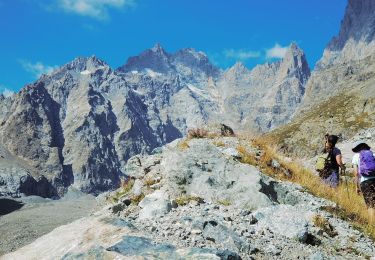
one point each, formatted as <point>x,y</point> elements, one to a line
<point>360,144</point>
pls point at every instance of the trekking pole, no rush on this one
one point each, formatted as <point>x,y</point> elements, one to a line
<point>346,182</point>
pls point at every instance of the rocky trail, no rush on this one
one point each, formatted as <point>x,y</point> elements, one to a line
<point>25,219</point>
<point>194,199</point>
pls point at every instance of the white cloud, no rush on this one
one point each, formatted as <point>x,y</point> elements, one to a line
<point>38,68</point>
<point>6,91</point>
<point>241,54</point>
<point>97,9</point>
<point>277,51</point>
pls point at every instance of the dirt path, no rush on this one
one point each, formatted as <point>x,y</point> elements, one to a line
<point>20,224</point>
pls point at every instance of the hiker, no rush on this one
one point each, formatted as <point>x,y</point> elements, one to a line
<point>330,173</point>
<point>364,167</point>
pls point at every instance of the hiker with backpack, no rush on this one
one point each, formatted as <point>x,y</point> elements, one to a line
<point>328,165</point>
<point>364,167</point>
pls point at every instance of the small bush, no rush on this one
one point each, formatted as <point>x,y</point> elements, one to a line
<point>225,202</point>
<point>183,200</point>
<point>197,133</point>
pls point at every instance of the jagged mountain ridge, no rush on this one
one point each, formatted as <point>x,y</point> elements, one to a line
<point>80,124</point>
<point>348,54</point>
<point>340,94</point>
<point>356,37</point>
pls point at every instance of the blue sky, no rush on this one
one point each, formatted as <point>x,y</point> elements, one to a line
<point>37,36</point>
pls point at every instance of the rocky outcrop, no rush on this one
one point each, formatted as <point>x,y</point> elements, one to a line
<point>201,171</point>
<point>217,209</point>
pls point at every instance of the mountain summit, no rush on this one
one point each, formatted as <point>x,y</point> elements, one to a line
<point>358,24</point>
<point>187,63</point>
<point>356,39</point>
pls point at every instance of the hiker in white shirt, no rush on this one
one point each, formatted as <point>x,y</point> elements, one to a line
<point>365,178</point>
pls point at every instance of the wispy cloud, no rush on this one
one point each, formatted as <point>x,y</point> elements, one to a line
<point>37,69</point>
<point>277,51</point>
<point>241,54</point>
<point>97,9</point>
<point>6,91</point>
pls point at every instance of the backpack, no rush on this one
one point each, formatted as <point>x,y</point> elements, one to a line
<point>324,165</point>
<point>320,162</point>
<point>366,163</point>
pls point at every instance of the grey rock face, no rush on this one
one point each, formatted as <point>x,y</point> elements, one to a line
<point>16,182</point>
<point>348,54</point>
<point>266,96</point>
<point>344,73</point>
<point>356,37</point>
<point>358,24</point>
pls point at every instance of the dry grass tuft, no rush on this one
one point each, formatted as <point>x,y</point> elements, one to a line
<point>148,182</point>
<point>184,144</point>
<point>224,202</point>
<point>322,223</point>
<point>351,205</point>
<point>137,198</point>
<point>263,159</point>
<point>219,143</point>
<point>125,188</point>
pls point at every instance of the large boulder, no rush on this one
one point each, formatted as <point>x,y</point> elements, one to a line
<point>154,205</point>
<point>284,220</point>
<point>202,170</point>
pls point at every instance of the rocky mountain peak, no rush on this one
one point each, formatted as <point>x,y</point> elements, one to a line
<point>356,39</point>
<point>358,24</point>
<point>294,50</point>
<point>237,72</point>
<point>186,62</point>
<point>295,64</point>
<point>192,54</point>
<point>156,59</point>
<point>237,68</point>
<point>82,64</point>
<point>194,60</point>
<point>159,50</point>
